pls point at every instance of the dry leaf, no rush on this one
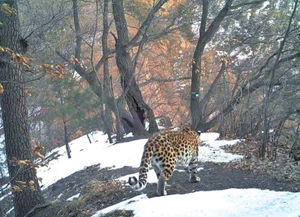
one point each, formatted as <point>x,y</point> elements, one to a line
<point>23,162</point>
<point>31,182</point>
<point>32,187</point>
<point>14,159</point>
<point>60,68</point>
<point>74,60</point>
<point>1,89</point>
<point>39,155</point>
<point>7,10</point>
<point>16,188</point>
<point>25,60</point>
<point>38,148</point>
<point>46,67</point>
<point>21,182</point>
<point>10,52</point>
<point>27,93</point>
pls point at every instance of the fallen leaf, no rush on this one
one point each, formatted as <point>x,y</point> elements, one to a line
<point>1,89</point>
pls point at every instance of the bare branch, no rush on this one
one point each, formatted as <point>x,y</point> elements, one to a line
<point>270,84</point>
<point>214,26</point>
<point>205,99</point>
<point>145,25</point>
<point>77,30</point>
<point>203,18</point>
<point>247,3</point>
<point>163,80</point>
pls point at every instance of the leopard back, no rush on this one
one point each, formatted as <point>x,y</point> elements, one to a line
<point>164,151</point>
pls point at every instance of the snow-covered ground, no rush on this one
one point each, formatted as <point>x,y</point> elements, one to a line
<point>123,154</point>
<point>223,203</point>
<point>85,154</point>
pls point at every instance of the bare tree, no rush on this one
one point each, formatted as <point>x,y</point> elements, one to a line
<point>100,88</point>
<point>205,35</point>
<point>139,110</point>
<point>199,100</point>
<point>270,86</point>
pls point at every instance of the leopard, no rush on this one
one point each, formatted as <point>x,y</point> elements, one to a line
<point>164,151</point>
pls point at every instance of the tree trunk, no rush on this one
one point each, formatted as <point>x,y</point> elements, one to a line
<point>266,121</point>
<point>106,100</point>
<point>205,35</point>
<point>87,135</point>
<point>14,113</point>
<point>107,85</point>
<point>64,120</point>
<point>66,139</point>
<point>138,109</point>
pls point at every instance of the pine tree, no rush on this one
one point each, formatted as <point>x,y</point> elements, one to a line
<point>14,112</point>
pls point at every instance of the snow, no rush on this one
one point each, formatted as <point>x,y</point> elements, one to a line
<point>206,137</point>
<point>223,203</point>
<point>85,154</point>
<point>73,197</point>
<point>9,211</point>
<point>3,168</point>
<point>212,150</point>
<point>4,196</point>
<point>119,155</point>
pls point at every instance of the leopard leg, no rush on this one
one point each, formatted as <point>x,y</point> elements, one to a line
<point>164,177</point>
<point>192,170</point>
<point>161,187</point>
<point>160,183</point>
<point>157,170</point>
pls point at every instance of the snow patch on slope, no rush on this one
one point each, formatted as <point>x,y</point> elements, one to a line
<point>223,203</point>
<point>119,155</point>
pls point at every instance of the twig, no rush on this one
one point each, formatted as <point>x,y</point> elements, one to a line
<point>39,206</point>
<point>247,3</point>
<point>162,80</point>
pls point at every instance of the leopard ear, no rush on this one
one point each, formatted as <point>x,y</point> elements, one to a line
<point>199,132</point>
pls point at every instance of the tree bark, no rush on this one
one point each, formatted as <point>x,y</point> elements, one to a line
<point>64,121</point>
<point>107,85</point>
<point>139,110</point>
<point>91,77</point>
<point>77,29</point>
<point>270,85</point>
<point>14,113</point>
<point>66,139</point>
<point>205,35</point>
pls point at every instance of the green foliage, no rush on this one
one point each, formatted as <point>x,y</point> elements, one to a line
<point>62,100</point>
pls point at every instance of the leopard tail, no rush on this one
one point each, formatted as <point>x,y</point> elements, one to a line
<point>140,184</point>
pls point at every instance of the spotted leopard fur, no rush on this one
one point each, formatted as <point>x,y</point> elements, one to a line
<point>164,151</point>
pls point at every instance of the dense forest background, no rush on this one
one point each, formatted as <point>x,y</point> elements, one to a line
<point>134,65</point>
<point>246,50</point>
